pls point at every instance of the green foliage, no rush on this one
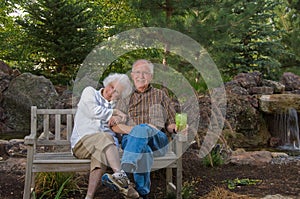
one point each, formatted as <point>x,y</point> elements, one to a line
<point>53,37</point>
<point>252,42</point>
<point>188,188</point>
<point>232,184</point>
<point>55,185</point>
<point>60,32</point>
<point>11,34</point>
<point>214,158</point>
<point>288,21</point>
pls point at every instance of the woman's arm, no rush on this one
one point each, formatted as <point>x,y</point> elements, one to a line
<point>121,128</point>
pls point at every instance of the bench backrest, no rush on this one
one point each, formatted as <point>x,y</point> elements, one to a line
<point>52,127</point>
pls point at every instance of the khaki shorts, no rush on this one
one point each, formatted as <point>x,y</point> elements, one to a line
<point>93,147</point>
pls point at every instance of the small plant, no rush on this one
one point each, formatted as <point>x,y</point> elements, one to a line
<point>189,188</point>
<point>54,185</point>
<point>214,158</point>
<point>232,184</point>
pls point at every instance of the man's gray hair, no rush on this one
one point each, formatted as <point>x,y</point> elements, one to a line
<point>120,79</point>
<point>147,63</point>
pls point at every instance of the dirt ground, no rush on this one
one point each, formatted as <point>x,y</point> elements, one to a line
<point>274,179</point>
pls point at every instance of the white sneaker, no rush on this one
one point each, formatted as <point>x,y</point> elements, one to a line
<point>120,182</point>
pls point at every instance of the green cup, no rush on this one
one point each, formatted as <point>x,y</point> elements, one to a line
<point>181,121</point>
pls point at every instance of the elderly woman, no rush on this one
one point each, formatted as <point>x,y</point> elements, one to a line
<point>92,137</point>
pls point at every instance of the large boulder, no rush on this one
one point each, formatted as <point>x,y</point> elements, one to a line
<point>24,91</point>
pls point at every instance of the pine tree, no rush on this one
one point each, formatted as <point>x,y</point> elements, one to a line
<point>256,41</point>
<point>62,32</point>
<point>241,36</point>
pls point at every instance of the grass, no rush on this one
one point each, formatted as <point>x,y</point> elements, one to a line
<point>55,184</point>
<point>221,193</point>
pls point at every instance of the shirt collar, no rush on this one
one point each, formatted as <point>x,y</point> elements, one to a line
<point>147,89</point>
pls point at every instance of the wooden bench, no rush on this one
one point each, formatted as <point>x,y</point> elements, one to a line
<point>55,159</point>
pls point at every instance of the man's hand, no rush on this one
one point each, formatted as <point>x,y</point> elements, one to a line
<point>183,131</point>
<point>173,129</point>
<point>120,114</point>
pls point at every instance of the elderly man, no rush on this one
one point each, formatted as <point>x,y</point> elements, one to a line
<point>151,115</point>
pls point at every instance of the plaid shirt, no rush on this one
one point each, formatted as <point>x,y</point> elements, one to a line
<point>152,106</point>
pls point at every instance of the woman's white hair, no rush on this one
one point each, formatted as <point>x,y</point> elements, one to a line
<point>121,79</point>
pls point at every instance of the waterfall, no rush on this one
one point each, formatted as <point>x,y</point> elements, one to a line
<point>286,128</point>
<point>293,128</point>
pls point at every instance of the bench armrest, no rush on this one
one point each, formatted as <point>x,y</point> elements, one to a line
<point>30,139</point>
<point>181,138</point>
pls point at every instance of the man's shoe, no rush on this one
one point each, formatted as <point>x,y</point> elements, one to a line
<point>131,192</point>
<point>120,182</point>
<point>144,197</point>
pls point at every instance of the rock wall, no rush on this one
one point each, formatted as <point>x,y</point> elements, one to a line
<point>246,125</point>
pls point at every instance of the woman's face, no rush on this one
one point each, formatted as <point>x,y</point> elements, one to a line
<point>113,91</point>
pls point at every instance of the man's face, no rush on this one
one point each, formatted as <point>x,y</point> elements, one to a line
<point>141,76</point>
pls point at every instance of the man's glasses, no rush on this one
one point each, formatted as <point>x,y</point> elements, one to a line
<point>141,73</point>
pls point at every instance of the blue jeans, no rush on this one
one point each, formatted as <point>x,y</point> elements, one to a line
<point>140,146</point>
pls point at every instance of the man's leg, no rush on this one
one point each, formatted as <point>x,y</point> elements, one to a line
<point>135,144</point>
<point>142,183</point>
<point>142,174</point>
<point>159,144</point>
<point>139,147</point>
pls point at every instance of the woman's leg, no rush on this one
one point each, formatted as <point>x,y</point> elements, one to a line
<point>94,179</point>
<point>113,157</point>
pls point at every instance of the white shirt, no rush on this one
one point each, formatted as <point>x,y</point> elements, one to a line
<point>92,115</point>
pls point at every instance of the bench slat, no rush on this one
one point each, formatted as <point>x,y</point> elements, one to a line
<point>53,143</point>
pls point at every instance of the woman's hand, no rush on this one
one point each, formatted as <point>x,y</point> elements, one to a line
<point>114,120</point>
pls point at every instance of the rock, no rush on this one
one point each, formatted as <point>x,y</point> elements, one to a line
<point>251,158</point>
<point>4,68</point>
<point>291,81</point>
<point>3,147</point>
<point>277,196</point>
<point>16,148</point>
<point>278,103</point>
<point>261,90</point>
<point>66,100</point>
<point>233,87</point>
<point>279,155</point>
<point>25,91</point>
<point>4,81</point>
<point>248,80</point>
<point>277,86</point>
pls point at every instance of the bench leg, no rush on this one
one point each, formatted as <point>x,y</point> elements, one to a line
<point>27,188</point>
<point>179,178</point>
<point>29,176</point>
<point>169,181</point>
